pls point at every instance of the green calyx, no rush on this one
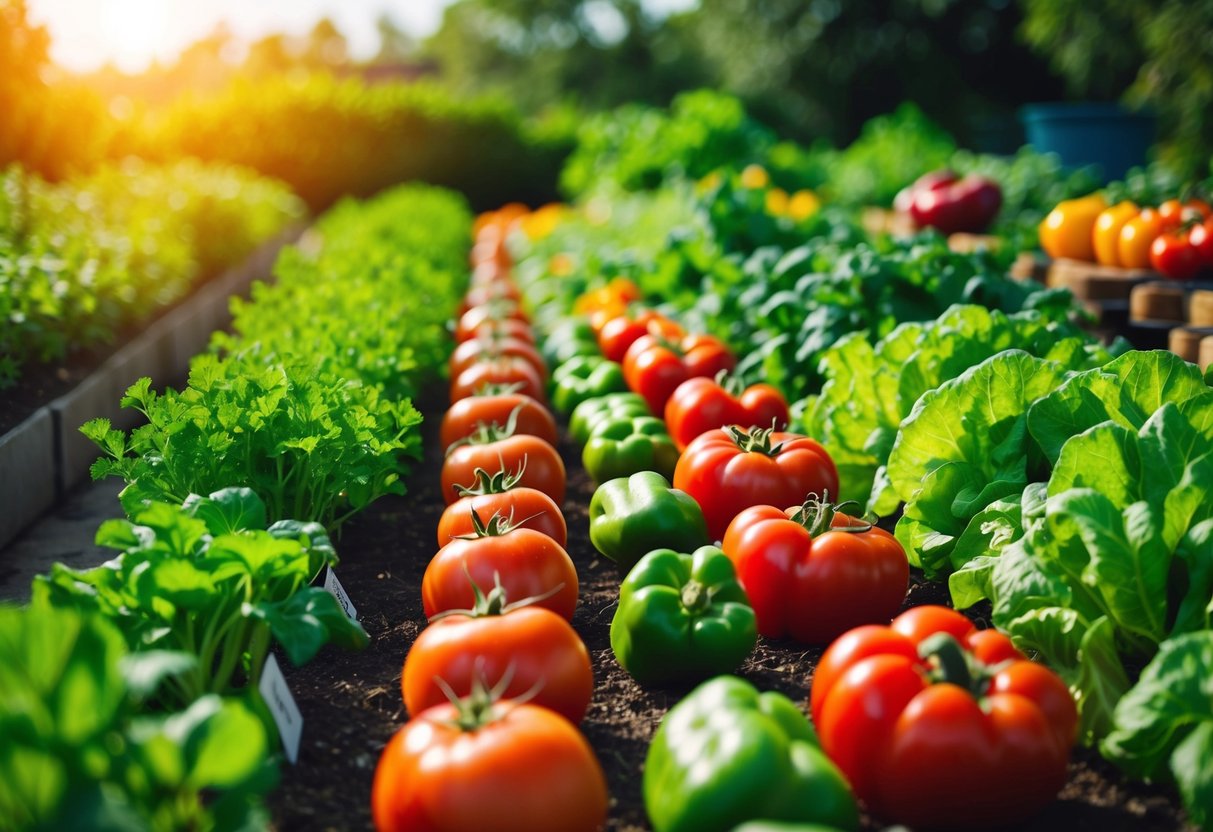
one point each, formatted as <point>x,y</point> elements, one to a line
<point>731,383</point>
<point>495,601</point>
<point>496,526</point>
<point>492,388</point>
<point>488,432</point>
<point>950,663</point>
<point>487,483</point>
<point>755,440</point>
<point>817,515</point>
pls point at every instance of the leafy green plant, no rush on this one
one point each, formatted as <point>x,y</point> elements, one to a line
<point>80,753</point>
<point>208,579</point>
<point>1164,725</point>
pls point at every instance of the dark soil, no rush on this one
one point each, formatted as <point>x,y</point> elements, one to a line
<point>352,703</point>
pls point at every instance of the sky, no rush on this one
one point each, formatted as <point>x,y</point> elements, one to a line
<point>86,34</point>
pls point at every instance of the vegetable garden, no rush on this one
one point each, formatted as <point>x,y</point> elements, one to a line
<point>707,500</point>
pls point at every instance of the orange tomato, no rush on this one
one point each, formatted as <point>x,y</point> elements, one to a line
<point>1106,236</point>
<point>1136,237</point>
<point>1069,228</point>
<point>505,766</point>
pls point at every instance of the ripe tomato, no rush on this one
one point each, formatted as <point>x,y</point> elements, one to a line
<point>1201,239</point>
<point>503,328</point>
<point>523,649</point>
<point>621,332</point>
<point>465,416</point>
<point>500,310</point>
<point>527,564</point>
<point>543,469</point>
<point>501,495</point>
<point>502,369</point>
<point>501,288</point>
<point>1136,237</point>
<point>730,469</point>
<point>1067,230</point>
<point>654,367</point>
<point>703,404</point>
<point>475,350</point>
<point>1173,255</point>
<point>810,583</point>
<point>508,767</point>
<point>938,726</point>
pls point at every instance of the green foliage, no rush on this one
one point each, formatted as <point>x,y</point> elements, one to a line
<point>209,580</point>
<point>1164,725</point>
<point>79,753</point>
<point>870,388</point>
<point>83,259</point>
<point>306,402</point>
<point>329,137</point>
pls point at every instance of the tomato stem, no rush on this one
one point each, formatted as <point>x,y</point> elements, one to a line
<point>817,515</point>
<point>755,440</point>
<point>486,483</point>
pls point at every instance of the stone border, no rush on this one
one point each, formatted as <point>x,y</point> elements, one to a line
<point>46,456</point>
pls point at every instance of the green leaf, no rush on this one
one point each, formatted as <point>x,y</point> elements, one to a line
<point>307,621</point>
<point>144,672</point>
<point>226,748</point>
<point>228,510</point>
<point>1100,681</point>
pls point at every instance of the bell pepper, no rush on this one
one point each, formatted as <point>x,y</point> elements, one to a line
<point>727,754</point>
<point>584,377</point>
<point>950,203</point>
<point>628,445</point>
<point>569,338</point>
<point>593,412</point>
<point>682,618</point>
<point>630,517</point>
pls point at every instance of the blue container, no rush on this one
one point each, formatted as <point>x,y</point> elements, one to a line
<point>1084,134</point>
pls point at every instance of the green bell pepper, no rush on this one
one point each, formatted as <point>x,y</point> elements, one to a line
<point>569,338</point>
<point>632,516</point>
<point>584,377</point>
<point>626,446</point>
<point>591,412</point>
<point>682,618</point>
<point>728,754</point>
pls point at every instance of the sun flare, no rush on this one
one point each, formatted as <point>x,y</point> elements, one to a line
<point>134,31</point>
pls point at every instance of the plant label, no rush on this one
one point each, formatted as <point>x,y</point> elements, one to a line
<point>282,707</point>
<point>334,588</point>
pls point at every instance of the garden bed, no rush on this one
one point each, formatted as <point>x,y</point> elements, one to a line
<point>351,702</point>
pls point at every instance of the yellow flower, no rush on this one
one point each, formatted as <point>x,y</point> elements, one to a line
<point>803,205</point>
<point>754,176</point>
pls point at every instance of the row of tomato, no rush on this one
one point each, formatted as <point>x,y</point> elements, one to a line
<point>498,681</point>
<point>1175,239</point>
<point>690,610</point>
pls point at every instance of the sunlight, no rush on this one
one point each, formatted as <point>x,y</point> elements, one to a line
<point>134,31</point>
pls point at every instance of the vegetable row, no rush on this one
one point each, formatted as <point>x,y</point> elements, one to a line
<point>131,693</point>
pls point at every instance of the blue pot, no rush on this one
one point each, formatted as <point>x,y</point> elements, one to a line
<point>1084,134</point>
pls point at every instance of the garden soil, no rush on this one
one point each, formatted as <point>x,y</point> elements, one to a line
<point>352,703</point>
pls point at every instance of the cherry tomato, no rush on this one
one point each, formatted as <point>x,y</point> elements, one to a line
<point>508,767</point>
<point>1201,239</point>
<point>1136,237</point>
<point>465,416</point>
<point>524,649</point>
<point>729,470</point>
<point>543,469</point>
<point>699,405</point>
<point>810,583</point>
<point>654,367</point>
<point>1173,255</point>
<point>619,333</point>
<point>527,563</point>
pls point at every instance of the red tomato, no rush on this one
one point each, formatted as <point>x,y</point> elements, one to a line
<point>497,289</point>
<point>503,328</point>
<point>1201,239</point>
<point>523,649</point>
<point>527,563</point>
<point>508,767</point>
<point>499,370</point>
<point>621,332</point>
<point>476,350</point>
<point>501,495</point>
<point>542,467</point>
<point>810,583</point>
<point>948,739</point>
<point>703,404</point>
<point>467,415</point>
<point>501,310</point>
<point>1170,214</point>
<point>1173,255</point>
<point>730,469</point>
<point>654,367</point>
